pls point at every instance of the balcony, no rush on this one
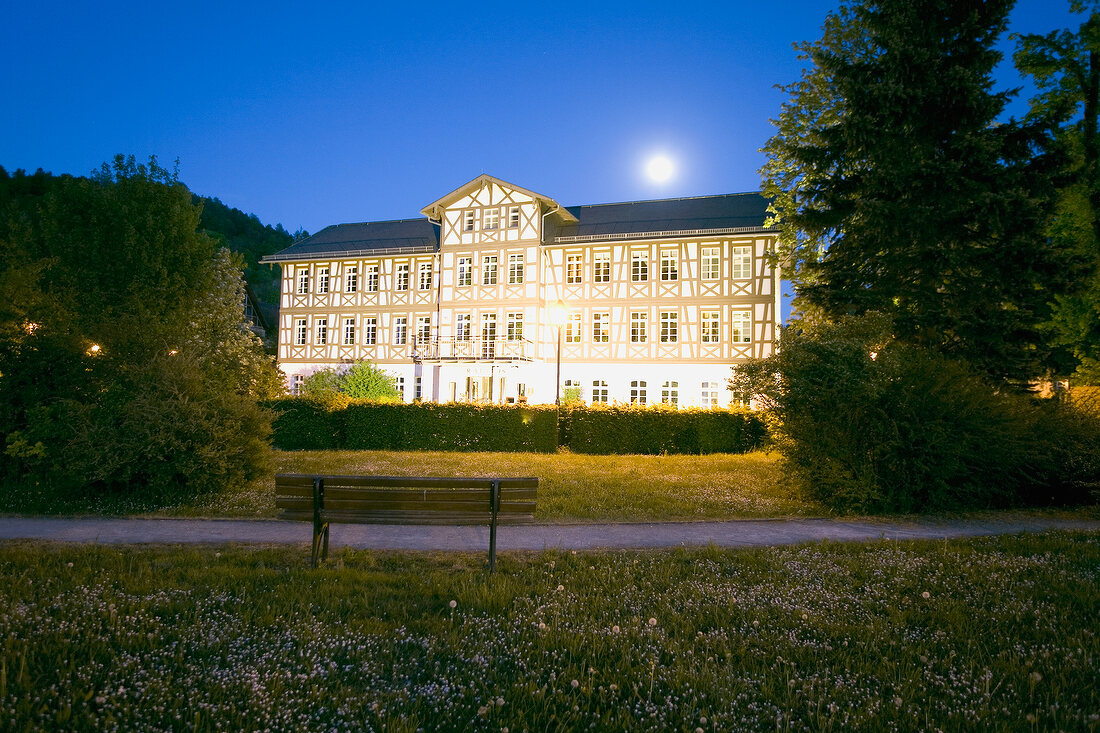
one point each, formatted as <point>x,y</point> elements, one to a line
<point>472,350</point>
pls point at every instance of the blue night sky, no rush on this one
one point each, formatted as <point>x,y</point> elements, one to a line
<point>315,114</point>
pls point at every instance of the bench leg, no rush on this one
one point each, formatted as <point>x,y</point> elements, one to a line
<point>320,544</point>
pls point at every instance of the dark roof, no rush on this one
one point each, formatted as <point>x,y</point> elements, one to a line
<point>364,237</point>
<point>729,211</point>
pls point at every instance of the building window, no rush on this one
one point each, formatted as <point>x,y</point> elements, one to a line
<point>351,279</point>
<point>741,261</point>
<point>399,383</point>
<point>465,271</point>
<point>301,331</point>
<point>670,393</point>
<point>425,278</point>
<point>515,326</point>
<point>462,327</point>
<point>639,266</point>
<point>513,217</point>
<point>573,329</point>
<point>670,265</point>
<point>372,278</point>
<point>322,280</point>
<point>296,383</point>
<point>491,219</point>
<point>488,335</point>
<point>601,267</point>
<point>741,323</point>
<point>370,331</point>
<point>468,221</point>
<point>322,331</point>
<point>515,269</point>
<point>637,393</point>
<point>573,265</point>
<point>710,328</point>
<point>669,327</point>
<point>638,327</point>
<point>601,327</point>
<point>418,388</point>
<point>349,332</point>
<point>303,281</point>
<point>709,264</point>
<point>489,270</point>
<point>599,391</point>
<point>400,330</point>
<point>423,329</point>
<point>402,282</point>
<point>709,394</point>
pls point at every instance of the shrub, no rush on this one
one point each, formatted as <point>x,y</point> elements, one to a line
<point>361,381</point>
<point>612,429</point>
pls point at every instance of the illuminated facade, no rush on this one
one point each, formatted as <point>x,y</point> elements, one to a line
<point>657,299</point>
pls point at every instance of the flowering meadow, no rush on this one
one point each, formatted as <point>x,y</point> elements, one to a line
<point>983,634</point>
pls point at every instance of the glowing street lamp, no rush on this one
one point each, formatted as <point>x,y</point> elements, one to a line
<point>558,313</point>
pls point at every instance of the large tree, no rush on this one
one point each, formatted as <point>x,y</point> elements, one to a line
<point>124,363</point>
<point>1065,66</point>
<point>898,189</point>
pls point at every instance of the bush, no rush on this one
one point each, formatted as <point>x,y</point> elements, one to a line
<point>616,429</point>
<point>361,381</point>
<point>872,425</point>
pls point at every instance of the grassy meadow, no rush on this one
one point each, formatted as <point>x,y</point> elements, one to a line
<point>984,634</point>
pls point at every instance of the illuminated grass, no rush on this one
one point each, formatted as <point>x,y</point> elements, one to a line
<point>985,634</point>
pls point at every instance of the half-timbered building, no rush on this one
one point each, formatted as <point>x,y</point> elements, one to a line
<point>497,288</point>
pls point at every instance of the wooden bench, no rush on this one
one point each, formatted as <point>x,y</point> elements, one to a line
<point>403,500</point>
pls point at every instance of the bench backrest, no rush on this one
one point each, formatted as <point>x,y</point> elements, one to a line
<point>405,499</point>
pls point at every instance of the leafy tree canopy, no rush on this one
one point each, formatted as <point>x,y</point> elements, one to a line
<point>361,381</point>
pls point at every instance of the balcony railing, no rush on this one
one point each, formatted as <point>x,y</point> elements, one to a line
<point>473,349</point>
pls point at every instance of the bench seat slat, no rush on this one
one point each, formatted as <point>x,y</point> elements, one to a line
<point>408,481</point>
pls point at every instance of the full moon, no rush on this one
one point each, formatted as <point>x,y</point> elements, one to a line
<point>659,169</point>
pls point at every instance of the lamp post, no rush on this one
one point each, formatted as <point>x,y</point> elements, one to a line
<point>557,313</point>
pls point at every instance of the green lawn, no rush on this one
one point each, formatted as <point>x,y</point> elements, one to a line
<point>572,488</point>
<point>984,634</point>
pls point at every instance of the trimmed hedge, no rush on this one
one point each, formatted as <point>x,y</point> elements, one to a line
<point>302,424</point>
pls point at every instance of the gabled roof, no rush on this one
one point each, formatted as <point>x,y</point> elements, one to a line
<point>434,210</point>
<point>373,237</point>
<point>735,211</point>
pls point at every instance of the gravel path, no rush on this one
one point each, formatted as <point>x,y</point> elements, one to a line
<point>739,533</point>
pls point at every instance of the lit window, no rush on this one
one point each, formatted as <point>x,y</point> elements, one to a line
<point>515,269</point>
<point>637,393</point>
<point>322,280</point>
<point>601,267</point>
<point>351,279</point>
<point>491,219</point>
<point>638,327</point>
<point>710,263</point>
<point>372,278</point>
<point>573,265</point>
<point>296,383</point>
<point>741,324</point>
<point>468,224</point>
<point>400,330</point>
<point>513,217</point>
<point>462,327</point>
<point>301,332</point>
<point>402,282</point>
<point>669,326</point>
<point>599,391</point>
<point>489,270</point>
<point>710,327</point>
<point>465,270</point>
<point>515,326</point>
<point>303,281</point>
<point>670,393</point>
<point>573,329</point>
<point>425,279</point>
<point>601,327</point>
<point>423,329</point>
<point>670,265</point>
<point>741,262</point>
<point>322,331</point>
<point>639,266</point>
<point>370,331</point>
<point>349,331</point>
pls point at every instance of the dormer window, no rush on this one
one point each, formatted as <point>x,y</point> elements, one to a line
<point>491,219</point>
<point>468,222</point>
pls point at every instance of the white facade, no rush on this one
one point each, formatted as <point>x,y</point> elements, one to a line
<point>656,311</point>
